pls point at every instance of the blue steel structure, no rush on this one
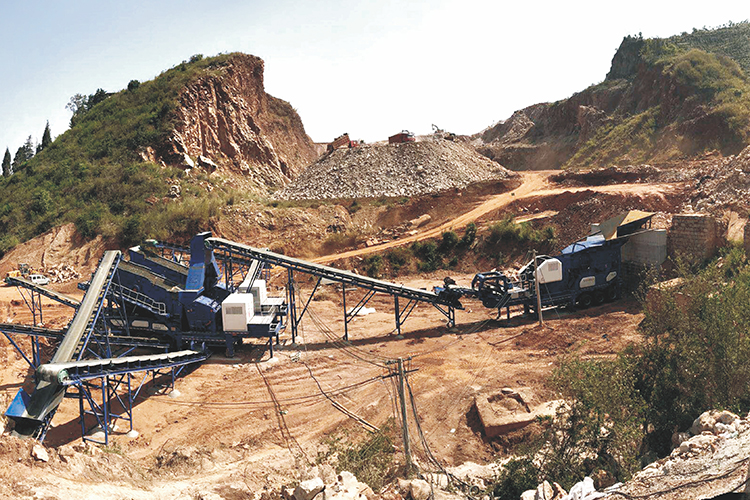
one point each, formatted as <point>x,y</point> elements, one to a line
<point>585,273</point>
<point>166,299</point>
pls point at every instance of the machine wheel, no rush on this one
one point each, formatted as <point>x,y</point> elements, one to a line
<point>599,297</point>
<point>585,300</point>
<point>610,294</point>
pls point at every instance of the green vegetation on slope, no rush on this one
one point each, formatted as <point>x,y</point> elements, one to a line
<point>731,40</point>
<point>92,174</point>
<point>703,103</point>
<point>622,412</point>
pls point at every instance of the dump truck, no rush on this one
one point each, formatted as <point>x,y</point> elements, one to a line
<point>585,273</point>
<point>341,141</point>
<point>403,136</point>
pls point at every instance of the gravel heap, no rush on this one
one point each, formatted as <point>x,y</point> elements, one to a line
<point>726,184</point>
<point>409,169</point>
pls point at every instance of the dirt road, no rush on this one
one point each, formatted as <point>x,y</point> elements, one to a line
<point>535,183</point>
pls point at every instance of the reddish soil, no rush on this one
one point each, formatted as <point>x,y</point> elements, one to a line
<point>252,423</point>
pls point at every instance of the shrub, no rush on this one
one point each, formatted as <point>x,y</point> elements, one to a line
<point>399,257</point>
<point>449,242</point>
<point>428,255</point>
<point>470,235</point>
<point>370,461</point>
<point>373,265</point>
<point>516,476</point>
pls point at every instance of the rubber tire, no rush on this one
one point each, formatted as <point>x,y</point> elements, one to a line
<point>599,297</point>
<point>610,294</point>
<point>584,300</point>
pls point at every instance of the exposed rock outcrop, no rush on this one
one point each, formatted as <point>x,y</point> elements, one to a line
<point>644,111</point>
<point>225,117</point>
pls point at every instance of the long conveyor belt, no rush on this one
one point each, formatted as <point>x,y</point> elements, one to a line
<point>331,273</point>
<point>77,371</point>
<point>29,412</point>
<point>59,297</point>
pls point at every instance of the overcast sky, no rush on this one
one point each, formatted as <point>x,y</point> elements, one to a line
<point>370,68</point>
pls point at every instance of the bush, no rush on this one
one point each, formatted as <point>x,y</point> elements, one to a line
<point>428,255</point>
<point>470,235</point>
<point>373,265</point>
<point>449,241</point>
<point>371,460</point>
<point>398,258</point>
<point>516,476</point>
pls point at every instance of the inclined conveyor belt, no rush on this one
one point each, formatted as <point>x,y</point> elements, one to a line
<point>327,272</point>
<point>30,412</point>
<point>77,371</point>
<point>59,297</point>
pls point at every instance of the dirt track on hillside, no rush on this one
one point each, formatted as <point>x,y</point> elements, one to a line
<point>535,183</point>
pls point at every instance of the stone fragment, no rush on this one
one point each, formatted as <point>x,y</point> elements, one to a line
<point>39,453</point>
<point>420,489</point>
<point>544,491</point>
<point>307,490</point>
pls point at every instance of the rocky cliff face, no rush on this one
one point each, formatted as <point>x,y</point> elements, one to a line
<point>226,116</point>
<point>644,111</point>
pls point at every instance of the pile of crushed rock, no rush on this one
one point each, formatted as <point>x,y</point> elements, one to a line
<point>374,171</point>
<point>726,184</point>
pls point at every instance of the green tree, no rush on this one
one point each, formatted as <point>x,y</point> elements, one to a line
<point>23,154</point>
<point>7,168</point>
<point>46,138</point>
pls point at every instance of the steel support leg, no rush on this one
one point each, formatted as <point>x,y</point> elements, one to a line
<point>398,316</point>
<point>346,319</point>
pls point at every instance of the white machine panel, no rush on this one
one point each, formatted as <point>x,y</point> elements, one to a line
<point>611,276</point>
<point>237,311</point>
<point>260,294</point>
<point>587,282</point>
<point>550,271</point>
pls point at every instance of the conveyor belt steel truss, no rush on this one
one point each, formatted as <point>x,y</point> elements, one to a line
<point>88,335</point>
<point>228,250</point>
<point>107,388</point>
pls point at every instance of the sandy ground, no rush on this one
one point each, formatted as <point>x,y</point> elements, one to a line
<point>535,184</point>
<point>248,423</point>
<point>264,419</point>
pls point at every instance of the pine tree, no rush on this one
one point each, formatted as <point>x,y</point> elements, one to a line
<point>23,154</point>
<point>7,169</point>
<point>46,138</point>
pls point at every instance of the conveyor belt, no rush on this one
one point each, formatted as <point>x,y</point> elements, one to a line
<point>62,298</point>
<point>331,273</point>
<point>56,334</point>
<point>77,371</point>
<point>30,412</point>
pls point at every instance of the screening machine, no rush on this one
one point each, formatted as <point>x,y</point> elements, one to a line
<point>585,273</point>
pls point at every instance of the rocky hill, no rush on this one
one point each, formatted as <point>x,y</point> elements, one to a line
<point>392,170</point>
<point>662,99</point>
<point>227,116</point>
<point>159,158</point>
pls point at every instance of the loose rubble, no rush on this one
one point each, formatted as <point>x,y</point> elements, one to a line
<point>393,170</point>
<point>60,273</point>
<point>703,464</point>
